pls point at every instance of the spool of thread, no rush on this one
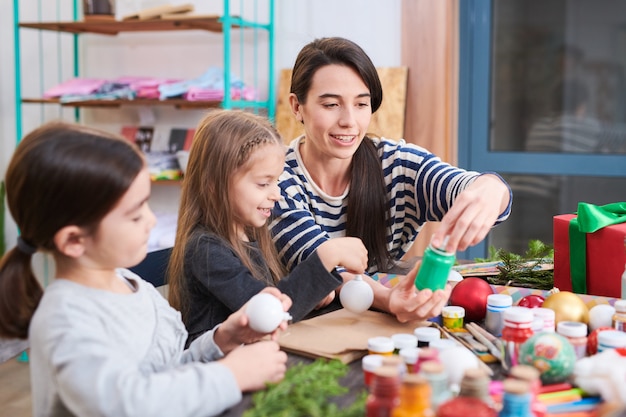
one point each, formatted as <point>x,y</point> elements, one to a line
<point>425,335</point>
<point>380,345</point>
<point>453,317</point>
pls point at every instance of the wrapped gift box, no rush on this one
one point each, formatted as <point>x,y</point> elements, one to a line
<point>605,258</point>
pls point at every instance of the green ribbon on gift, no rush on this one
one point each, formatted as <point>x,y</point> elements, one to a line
<point>590,218</point>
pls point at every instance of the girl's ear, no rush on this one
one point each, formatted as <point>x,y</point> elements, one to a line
<point>70,241</point>
<point>295,107</point>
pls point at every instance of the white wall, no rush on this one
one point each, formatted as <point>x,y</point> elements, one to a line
<point>373,24</point>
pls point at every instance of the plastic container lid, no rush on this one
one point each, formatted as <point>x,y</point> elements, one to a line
<point>572,329</point>
<point>521,316</point>
<point>380,344</point>
<point>443,344</point>
<point>612,339</point>
<point>404,340</point>
<point>427,334</point>
<point>371,362</point>
<point>499,300</point>
<point>409,355</point>
<point>453,312</point>
<point>537,324</point>
<point>544,313</point>
<point>620,306</point>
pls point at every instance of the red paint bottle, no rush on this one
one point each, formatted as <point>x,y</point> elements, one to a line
<point>384,392</point>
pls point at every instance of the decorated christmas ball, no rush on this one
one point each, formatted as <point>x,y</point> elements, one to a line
<point>471,294</point>
<point>567,306</point>
<point>592,340</point>
<point>531,301</point>
<point>552,354</point>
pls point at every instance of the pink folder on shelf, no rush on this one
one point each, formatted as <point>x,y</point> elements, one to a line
<point>75,86</point>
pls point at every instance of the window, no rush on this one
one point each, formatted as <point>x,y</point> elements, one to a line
<point>543,103</point>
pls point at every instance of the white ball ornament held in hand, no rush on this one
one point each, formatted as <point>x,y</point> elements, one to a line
<point>356,295</point>
<point>265,313</point>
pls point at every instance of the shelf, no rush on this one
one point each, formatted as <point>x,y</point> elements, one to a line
<point>113,27</point>
<point>178,103</point>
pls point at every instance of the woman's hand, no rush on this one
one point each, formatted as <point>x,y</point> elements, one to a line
<point>235,331</point>
<point>349,252</point>
<point>407,303</point>
<point>473,214</point>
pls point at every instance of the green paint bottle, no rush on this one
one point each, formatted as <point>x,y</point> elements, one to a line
<point>435,268</point>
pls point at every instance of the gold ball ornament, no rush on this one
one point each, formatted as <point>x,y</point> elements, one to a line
<point>567,306</point>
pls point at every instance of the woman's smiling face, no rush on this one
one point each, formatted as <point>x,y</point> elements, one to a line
<point>337,112</point>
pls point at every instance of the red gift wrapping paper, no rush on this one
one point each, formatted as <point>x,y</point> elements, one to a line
<point>606,258</point>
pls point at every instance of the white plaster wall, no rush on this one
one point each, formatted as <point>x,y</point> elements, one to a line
<point>374,24</point>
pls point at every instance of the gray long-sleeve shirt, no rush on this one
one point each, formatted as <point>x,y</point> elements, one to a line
<point>97,353</point>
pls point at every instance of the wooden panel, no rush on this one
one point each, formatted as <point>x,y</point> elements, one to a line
<point>388,121</point>
<point>430,51</point>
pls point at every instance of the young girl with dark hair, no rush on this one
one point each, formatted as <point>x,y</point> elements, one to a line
<point>103,342</point>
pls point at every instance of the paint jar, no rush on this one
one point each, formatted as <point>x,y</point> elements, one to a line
<point>425,335</point>
<point>576,333</point>
<point>618,321</point>
<point>537,325</point>
<point>611,339</point>
<point>453,317</point>
<point>397,362</point>
<point>517,329</point>
<point>380,345</point>
<point>494,319</point>
<point>369,364</point>
<point>384,391</point>
<point>443,344</point>
<point>548,315</point>
<point>410,357</point>
<point>403,340</point>
<point>425,355</point>
<point>434,269</point>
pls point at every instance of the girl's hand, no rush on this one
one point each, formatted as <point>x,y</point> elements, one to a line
<point>257,364</point>
<point>327,300</point>
<point>234,331</point>
<point>407,303</point>
<point>473,213</point>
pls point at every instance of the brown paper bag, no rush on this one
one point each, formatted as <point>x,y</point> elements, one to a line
<point>341,334</point>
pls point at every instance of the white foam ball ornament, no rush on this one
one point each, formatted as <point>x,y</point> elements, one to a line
<point>265,313</point>
<point>601,315</point>
<point>455,361</point>
<point>356,295</point>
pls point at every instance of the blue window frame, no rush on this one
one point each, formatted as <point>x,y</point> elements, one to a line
<point>476,117</point>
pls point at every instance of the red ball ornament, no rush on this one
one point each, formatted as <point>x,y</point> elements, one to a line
<point>531,301</point>
<point>592,340</point>
<point>471,294</point>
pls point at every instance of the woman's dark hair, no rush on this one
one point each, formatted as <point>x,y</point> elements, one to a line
<point>60,175</point>
<point>368,205</point>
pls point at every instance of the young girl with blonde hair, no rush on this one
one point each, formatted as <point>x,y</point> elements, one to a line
<point>223,253</point>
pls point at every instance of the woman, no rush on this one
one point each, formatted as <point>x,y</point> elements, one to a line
<point>340,182</point>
